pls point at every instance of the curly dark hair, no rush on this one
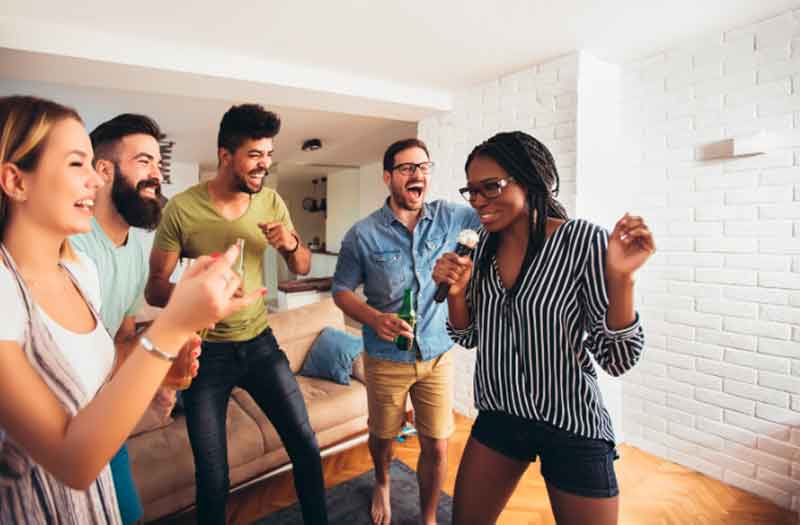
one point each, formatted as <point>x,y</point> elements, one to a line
<point>246,122</point>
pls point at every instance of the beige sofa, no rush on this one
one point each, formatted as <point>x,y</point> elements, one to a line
<point>161,457</point>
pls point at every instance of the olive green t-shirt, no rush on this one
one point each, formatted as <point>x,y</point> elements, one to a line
<point>191,226</point>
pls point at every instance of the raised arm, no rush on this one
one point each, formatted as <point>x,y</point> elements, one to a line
<point>457,273</point>
<point>281,235</point>
<point>615,336</point>
<point>162,264</point>
<point>299,260</point>
<point>289,245</point>
<point>76,448</point>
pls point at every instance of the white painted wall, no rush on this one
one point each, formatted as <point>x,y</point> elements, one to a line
<point>602,190</point>
<point>541,101</point>
<point>718,388</point>
<point>343,193</point>
<point>372,190</point>
<point>307,224</point>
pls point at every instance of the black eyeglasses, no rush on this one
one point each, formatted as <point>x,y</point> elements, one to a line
<point>409,168</point>
<point>489,189</point>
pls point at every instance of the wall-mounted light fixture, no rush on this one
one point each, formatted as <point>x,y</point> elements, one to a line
<point>738,147</point>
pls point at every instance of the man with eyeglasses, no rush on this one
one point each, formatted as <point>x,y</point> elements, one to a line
<point>389,251</point>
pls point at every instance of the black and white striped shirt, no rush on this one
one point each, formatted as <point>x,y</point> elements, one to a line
<point>534,340</point>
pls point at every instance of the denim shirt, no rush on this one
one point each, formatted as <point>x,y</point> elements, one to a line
<point>380,253</point>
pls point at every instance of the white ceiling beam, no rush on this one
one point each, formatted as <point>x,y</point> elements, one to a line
<point>49,52</point>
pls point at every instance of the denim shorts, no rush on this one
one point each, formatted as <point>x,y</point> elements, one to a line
<point>572,463</point>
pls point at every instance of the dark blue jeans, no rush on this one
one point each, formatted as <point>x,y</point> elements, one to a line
<point>261,368</point>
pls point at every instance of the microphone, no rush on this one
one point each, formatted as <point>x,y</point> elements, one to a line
<point>467,240</point>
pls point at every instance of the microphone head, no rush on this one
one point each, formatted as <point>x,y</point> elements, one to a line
<point>468,238</point>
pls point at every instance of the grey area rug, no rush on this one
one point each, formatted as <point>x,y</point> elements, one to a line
<point>349,502</point>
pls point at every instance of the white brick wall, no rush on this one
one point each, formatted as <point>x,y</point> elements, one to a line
<point>731,328</point>
<point>718,388</point>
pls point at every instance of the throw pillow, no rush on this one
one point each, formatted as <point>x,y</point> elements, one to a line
<point>331,356</point>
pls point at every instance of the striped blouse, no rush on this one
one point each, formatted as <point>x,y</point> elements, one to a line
<point>534,339</point>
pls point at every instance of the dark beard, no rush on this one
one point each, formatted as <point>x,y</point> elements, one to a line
<point>137,211</point>
<point>241,183</point>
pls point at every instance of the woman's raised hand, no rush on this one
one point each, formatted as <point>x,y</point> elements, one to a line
<point>206,293</point>
<point>629,246</point>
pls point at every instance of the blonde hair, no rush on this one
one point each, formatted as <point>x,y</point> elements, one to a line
<point>27,123</point>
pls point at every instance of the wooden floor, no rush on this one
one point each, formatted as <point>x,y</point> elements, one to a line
<point>653,491</point>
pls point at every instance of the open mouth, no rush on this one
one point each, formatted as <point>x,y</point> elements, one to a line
<point>150,188</point>
<point>86,204</point>
<point>415,189</point>
<point>487,216</point>
<point>149,192</point>
<point>256,177</point>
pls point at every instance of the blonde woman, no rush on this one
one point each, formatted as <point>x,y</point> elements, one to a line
<point>62,413</point>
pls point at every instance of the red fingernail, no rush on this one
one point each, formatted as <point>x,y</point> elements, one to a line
<point>216,255</point>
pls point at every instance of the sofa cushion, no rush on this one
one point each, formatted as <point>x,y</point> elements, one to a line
<point>297,328</point>
<point>162,461</point>
<point>331,356</point>
<point>329,404</point>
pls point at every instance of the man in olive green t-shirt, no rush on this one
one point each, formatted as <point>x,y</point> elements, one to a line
<point>239,350</point>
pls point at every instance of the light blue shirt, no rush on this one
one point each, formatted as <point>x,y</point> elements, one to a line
<point>380,253</point>
<point>122,271</point>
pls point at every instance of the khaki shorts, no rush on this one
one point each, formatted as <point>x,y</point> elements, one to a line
<point>430,384</point>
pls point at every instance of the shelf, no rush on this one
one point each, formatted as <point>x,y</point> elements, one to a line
<point>734,148</point>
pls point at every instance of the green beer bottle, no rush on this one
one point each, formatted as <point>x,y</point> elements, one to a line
<point>408,315</point>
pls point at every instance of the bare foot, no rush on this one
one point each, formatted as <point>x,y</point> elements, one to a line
<point>381,506</point>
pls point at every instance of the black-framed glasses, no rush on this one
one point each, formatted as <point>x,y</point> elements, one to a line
<point>488,189</point>
<point>409,168</point>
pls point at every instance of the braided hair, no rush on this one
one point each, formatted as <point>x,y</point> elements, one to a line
<point>531,165</point>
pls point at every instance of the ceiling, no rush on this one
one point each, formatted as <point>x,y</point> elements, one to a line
<point>193,124</point>
<point>446,44</point>
<point>357,74</point>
